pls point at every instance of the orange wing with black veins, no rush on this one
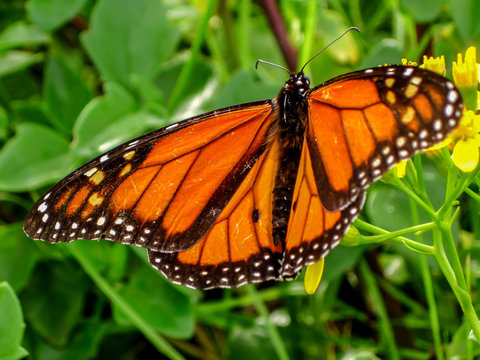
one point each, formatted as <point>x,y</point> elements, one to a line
<point>362,123</point>
<point>164,190</point>
<point>312,230</point>
<point>239,247</point>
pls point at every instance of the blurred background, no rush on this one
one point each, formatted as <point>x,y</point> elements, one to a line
<point>78,77</point>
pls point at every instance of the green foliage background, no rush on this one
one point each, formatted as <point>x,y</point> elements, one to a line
<point>78,77</point>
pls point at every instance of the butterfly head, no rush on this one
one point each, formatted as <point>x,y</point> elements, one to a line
<point>297,84</point>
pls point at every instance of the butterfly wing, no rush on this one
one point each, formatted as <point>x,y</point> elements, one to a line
<point>361,123</point>
<point>313,231</point>
<point>239,247</point>
<point>162,191</point>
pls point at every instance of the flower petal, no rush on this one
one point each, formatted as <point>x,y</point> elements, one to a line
<point>313,275</point>
<point>465,155</point>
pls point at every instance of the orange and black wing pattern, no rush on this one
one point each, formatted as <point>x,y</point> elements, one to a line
<point>361,123</point>
<point>312,230</point>
<point>239,248</point>
<point>163,191</point>
<point>256,191</point>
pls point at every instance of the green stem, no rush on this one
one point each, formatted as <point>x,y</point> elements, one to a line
<point>452,195</point>
<point>397,235</point>
<point>155,339</point>
<point>187,69</point>
<point>472,194</point>
<point>426,276</point>
<point>385,327</point>
<point>407,191</point>
<point>262,310</point>
<point>461,294</point>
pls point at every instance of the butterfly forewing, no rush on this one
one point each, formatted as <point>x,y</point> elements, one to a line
<point>360,124</point>
<point>163,191</point>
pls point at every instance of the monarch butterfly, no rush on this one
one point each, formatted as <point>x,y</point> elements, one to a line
<point>255,191</point>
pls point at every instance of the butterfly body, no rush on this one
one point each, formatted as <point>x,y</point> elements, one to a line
<point>289,129</point>
<point>255,191</point>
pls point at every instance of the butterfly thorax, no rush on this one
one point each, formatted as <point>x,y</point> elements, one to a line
<point>293,112</point>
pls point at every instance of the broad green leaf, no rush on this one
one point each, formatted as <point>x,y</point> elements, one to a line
<point>51,14</point>
<point>21,34</point>
<point>54,299</point>
<point>3,124</point>
<point>18,255</point>
<point>66,94</point>
<point>11,324</point>
<point>388,208</point>
<point>340,260</point>
<point>250,343</point>
<point>15,60</point>
<point>466,13</point>
<point>423,11</point>
<point>234,91</point>
<point>129,37</point>
<point>109,258</point>
<point>84,343</point>
<point>110,120</point>
<point>34,157</point>
<point>159,303</point>
<point>30,111</point>
<point>386,51</point>
<point>331,24</point>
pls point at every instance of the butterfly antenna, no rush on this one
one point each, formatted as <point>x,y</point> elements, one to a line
<point>269,63</point>
<point>330,43</point>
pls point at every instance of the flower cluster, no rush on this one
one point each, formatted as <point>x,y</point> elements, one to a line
<point>464,141</point>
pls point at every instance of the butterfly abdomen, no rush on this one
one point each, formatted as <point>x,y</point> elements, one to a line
<point>292,120</point>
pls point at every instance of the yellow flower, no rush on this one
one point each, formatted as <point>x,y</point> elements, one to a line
<point>313,275</point>
<point>401,168</point>
<point>465,74</point>
<point>466,153</point>
<point>436,64</point>
<point>408,62</point>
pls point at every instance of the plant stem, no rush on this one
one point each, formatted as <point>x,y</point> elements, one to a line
<point>262,310</point>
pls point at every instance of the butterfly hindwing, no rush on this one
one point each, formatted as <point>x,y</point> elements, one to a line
<point>239,248</point>
<point>313,231</point>
<point>361,123</point>
<point>162,191</point>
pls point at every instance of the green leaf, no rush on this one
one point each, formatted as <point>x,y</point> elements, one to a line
<point>159,303</point>
<point>129,37</point>
<point>423,11</point>
<point>18,255</point>
<point>340,260</point>
<point>30,111</point>
<point>54,300</point>
<point>21,34</point>
<point>234,91</point>
<point>250,343</point>
<point>84,343</point>
<point>466,13</point>
<point>3,124</point>
<point>110,120</point>
<point>66,94</point>
<point>386,51</point>
<point>34,157</point>
<point>11,324</point>
<point>51,14</point>
<point>14,60</point>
